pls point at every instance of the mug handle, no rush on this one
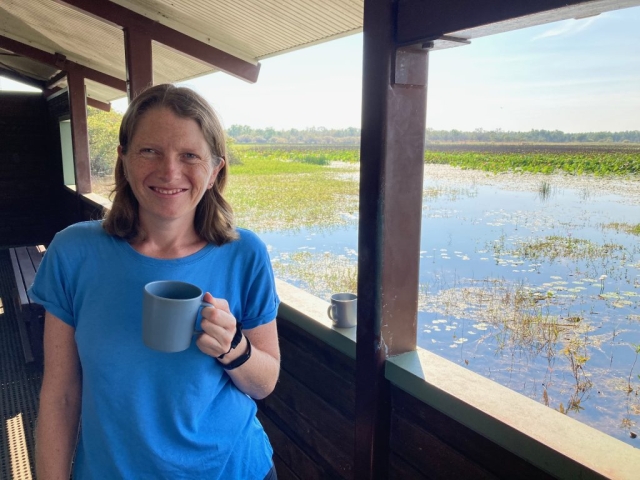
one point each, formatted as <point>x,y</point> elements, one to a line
<point>329,312</point>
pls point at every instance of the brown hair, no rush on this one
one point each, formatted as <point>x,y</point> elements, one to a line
<point>214,220</point>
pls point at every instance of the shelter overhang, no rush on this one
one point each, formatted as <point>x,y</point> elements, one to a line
<point>431,23</point>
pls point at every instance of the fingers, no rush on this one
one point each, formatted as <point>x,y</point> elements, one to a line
<point>219,303</point>
<point>218,326</point>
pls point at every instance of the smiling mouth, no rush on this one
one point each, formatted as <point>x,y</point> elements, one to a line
<point>168,191</point>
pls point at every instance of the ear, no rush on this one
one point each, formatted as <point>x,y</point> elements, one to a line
<point>215,172</point>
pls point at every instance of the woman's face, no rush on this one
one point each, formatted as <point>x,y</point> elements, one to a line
<point>168,165</point>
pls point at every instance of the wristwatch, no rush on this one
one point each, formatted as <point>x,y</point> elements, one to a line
<point>241,359</point>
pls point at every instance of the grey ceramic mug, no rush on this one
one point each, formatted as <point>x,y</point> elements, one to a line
<point>343,310</point>
<point>169,313</point>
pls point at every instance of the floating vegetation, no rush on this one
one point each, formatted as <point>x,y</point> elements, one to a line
<point>448,192</point>
<point>322,274</point>
<point>554,246</point>
<point>624,227</point>
<point>517,315</point>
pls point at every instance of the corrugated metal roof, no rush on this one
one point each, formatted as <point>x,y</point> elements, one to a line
<point>248,29</point>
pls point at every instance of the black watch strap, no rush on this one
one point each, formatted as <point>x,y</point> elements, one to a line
<point>237,338</point>
<point>241,359</point>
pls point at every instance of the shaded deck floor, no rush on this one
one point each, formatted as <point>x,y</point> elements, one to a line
<point>19,387</point>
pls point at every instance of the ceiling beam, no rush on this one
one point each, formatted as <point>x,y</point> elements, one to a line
<point>61,63</point>
<point>92,102</point>
<point>420,20</point>
<point>122,17</point>
<point>139,59</point>
<point>56,80</point>
<point>27,51</point>
<point>96,76</point>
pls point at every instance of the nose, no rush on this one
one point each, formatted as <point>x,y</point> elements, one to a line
<point>168,167</point>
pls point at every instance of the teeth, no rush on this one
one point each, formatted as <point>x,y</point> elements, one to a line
<point>168,192</point>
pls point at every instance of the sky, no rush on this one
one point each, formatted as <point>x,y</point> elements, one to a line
<point>575,76</point>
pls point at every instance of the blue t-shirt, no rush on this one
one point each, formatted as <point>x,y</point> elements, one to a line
<point>147,414</point>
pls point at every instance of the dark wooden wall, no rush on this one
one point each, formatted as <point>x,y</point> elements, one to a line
<point>310,421</point>
<point>427,444</point>
<point>310,416</point>
<point>30,176</point>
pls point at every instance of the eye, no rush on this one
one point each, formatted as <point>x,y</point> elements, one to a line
<point>190,157</point>
<point>148,152</point>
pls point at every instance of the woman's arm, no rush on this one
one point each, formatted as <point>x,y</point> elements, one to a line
<point>257,377</point>
<point>60,397</point>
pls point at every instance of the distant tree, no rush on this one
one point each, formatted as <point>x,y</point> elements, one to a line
<point>103,130</point>
<point>243,138</point>
<point>237,130</point>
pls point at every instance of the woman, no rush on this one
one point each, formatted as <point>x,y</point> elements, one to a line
<point>143,413</point>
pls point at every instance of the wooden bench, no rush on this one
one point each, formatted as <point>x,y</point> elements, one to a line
<point>25,262</point>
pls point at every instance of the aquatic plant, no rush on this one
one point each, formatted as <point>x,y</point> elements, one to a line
<point>322,274</point>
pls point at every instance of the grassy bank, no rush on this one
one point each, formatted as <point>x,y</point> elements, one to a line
<point>274,189</point>
<point>623,159</point>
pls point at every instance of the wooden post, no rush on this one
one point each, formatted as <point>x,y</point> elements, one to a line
<point>137,47</point>
<point>79,132</point>
<point>391,177</point>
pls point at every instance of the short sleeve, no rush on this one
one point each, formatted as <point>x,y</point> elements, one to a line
<point>51,287</point>
<point>262,301</point>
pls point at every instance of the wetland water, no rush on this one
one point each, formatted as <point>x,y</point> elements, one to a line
<point>530,280</point>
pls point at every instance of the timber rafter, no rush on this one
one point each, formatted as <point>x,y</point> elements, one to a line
<point>124,18</point>
<point>61,63</point>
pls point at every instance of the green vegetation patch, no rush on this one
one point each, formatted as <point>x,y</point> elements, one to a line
<point>624,227</point>
<point>103,128</point>
<point>575,162</point>
<point>554,246</point>
<point>322,274</point>
<point>320,155</point>
<point>276,193</point>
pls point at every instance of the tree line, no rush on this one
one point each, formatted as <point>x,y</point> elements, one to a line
<point>351,136</point>
<point>104,126</point>
<point>307,136</point>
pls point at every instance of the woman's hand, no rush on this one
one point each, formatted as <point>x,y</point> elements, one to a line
<point>218,326</point>
<point>256,377</point>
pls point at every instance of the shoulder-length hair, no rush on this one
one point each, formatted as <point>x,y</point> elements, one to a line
<point>214,220</point>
